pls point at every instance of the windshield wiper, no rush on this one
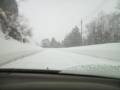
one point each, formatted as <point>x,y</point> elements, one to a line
<point>13,70</point>
<point>39,71</point>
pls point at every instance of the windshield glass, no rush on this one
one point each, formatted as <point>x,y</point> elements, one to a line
<point>73,36</point>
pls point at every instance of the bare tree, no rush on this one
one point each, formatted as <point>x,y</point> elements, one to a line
<point>104,29</point>
<point>118,5</point>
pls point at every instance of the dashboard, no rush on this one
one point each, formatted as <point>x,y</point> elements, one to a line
<point>23,81</point>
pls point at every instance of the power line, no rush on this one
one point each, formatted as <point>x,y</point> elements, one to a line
<point>100,6</point>
<point>95,8</point>
<point>92,12</point>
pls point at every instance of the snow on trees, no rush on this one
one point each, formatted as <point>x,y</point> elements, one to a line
<point>13,24</point>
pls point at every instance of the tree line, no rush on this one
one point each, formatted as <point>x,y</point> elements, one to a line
<point>71,39</point>
<point>105,28</point>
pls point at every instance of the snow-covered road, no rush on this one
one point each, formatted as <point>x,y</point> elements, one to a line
<point>57,60</point>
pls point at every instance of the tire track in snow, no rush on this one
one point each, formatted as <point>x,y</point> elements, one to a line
<point>5,59</point>
<point>57,60</point>
<point>85,60</point>
<point>88,54</point>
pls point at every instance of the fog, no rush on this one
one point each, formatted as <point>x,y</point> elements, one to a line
<point>56,18</point>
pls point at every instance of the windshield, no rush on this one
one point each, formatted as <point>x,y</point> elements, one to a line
<point>73,36</point>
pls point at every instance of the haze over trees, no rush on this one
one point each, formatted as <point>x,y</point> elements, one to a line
<point>72,39</point>
<point>105,28</point>
<point>46,43</point>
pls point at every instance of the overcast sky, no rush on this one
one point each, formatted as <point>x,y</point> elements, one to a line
<point>56,18</point>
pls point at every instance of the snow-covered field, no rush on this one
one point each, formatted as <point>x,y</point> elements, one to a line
<point>109,51</point>
<point>58,60</point>
<point>106,58</point>
<point>12,50</point>
<point>101,60</point>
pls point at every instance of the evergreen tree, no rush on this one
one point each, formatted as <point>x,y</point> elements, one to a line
<point>73,38</point>
<point>10,7</point>
<point>53,43</point>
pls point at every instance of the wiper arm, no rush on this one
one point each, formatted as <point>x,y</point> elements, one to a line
<point>38,71</point>
<point>13,70</point>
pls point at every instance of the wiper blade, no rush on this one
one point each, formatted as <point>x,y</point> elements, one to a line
<point>39,71</point>
<point>13,70</point>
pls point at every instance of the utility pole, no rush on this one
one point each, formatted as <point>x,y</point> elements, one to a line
<point>81,33</point>
<point>117,34</point>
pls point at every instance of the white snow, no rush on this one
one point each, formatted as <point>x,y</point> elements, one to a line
<point>56,59</point>
<point>106,58</point>
<point>2,36</point>
<point>108,51</point>
<point>95,70</point>
<point>101,60</point>
<point>12,49</point>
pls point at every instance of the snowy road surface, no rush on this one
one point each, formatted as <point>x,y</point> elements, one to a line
<point>57,60</point>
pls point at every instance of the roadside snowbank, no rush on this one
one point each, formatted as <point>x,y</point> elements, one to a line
<point>11,49</point>
<point>108,51</point>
